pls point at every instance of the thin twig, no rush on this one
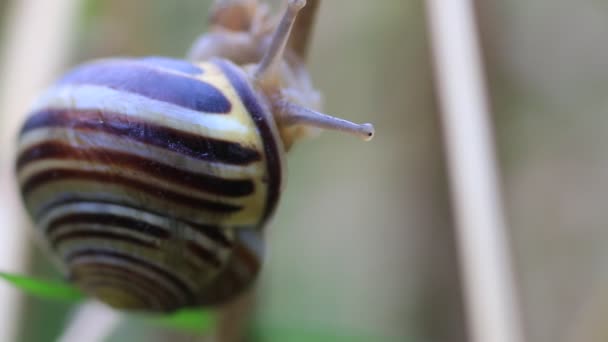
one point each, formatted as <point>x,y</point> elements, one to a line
<point>92,322</point>
<point>36,46</point>
<point>490,294</point>
<point>303,29</point>
<point>233,319</point>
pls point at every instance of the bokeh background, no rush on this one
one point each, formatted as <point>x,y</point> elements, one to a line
<point>362,246</point>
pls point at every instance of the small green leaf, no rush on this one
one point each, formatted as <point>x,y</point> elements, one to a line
<point>191,320</point>
<point>46,289</point>
<point>198,321</point>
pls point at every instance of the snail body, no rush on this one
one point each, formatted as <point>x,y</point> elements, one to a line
<point>151,179</point>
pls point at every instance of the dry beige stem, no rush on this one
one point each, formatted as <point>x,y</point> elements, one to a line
<point>36,46</point>
<point>303,29</point>
<point>233,319</point>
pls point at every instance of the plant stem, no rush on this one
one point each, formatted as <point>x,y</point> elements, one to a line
<point>492,304</point>
<point>36,37</point>
<point>92,322</point>
<point>301,33</point>
<point>233,319</point>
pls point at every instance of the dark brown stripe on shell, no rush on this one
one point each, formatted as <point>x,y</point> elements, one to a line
<point>93,285</point>
<point>206,183</point>
<point>247,258</point>
<point>150,300</point>
<point>225,286</point>
<point>124,126</point>
<point>53,175</point>
<point>94,234</point>
<point>121,257</point>
<point>107,219</point>
<point>273,158</point>
<point>204,254</point>
<point>147,284</point>
<point>133,76</point>
<point>212,232</point>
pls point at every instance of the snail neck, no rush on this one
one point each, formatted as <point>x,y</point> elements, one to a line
<point>289,86</point>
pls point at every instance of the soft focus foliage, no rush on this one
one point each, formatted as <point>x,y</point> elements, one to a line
<point>44,289</point>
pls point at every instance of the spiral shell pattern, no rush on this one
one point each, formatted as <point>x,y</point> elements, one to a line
<point>150,180</point>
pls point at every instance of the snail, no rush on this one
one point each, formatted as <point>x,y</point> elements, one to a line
<point>151,179</point>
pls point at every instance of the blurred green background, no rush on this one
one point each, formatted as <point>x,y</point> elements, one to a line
<point>362,245</point>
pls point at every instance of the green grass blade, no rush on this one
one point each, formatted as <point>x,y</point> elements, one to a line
<point>47,289</point>
<point>197,321</point>
<point>193,320</point>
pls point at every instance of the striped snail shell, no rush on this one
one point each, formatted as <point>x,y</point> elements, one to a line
<point>151,179</point>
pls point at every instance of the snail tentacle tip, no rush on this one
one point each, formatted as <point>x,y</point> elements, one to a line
<point>369,131</point>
